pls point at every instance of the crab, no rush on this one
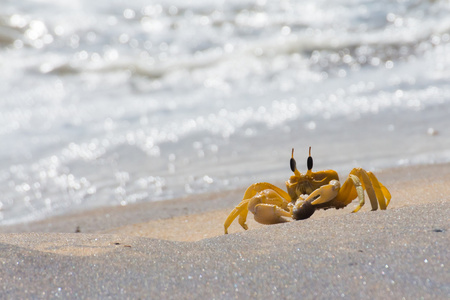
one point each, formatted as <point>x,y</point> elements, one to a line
<point>306,193</point>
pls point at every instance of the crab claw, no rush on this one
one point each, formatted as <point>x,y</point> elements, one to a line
<point>304,211</point>
<point>270,214</point>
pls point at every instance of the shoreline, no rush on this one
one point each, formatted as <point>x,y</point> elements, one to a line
<point>170,219</point>
<point>187,218</point>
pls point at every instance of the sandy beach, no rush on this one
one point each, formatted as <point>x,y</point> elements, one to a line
<point>176,249</point>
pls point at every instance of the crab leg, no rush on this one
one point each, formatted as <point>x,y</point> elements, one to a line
<point>375,190</point>
<point>243,218</point>
<point>261,186</point>
<point>386,194</point>
<point>378,191</point>
<point>353,179</point>
<point>242,210</point>
<point>367,185</point>
<point>363,180</point>
<point>381,191</point>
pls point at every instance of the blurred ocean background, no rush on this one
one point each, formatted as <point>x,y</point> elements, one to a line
<point>107,103</point>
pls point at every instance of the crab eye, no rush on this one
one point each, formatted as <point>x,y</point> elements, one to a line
<point>293,165</point>
<point>292,162</point>
<point>309,163</point>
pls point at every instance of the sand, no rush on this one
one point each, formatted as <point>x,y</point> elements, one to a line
<point>177,250</point>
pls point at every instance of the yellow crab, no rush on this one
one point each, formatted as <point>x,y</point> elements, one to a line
<point>306,193</point>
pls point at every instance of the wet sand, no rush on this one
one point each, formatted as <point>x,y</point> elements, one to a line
<point>177,250</point>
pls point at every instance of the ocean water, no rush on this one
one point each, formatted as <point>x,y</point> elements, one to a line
<point>107,103</point>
